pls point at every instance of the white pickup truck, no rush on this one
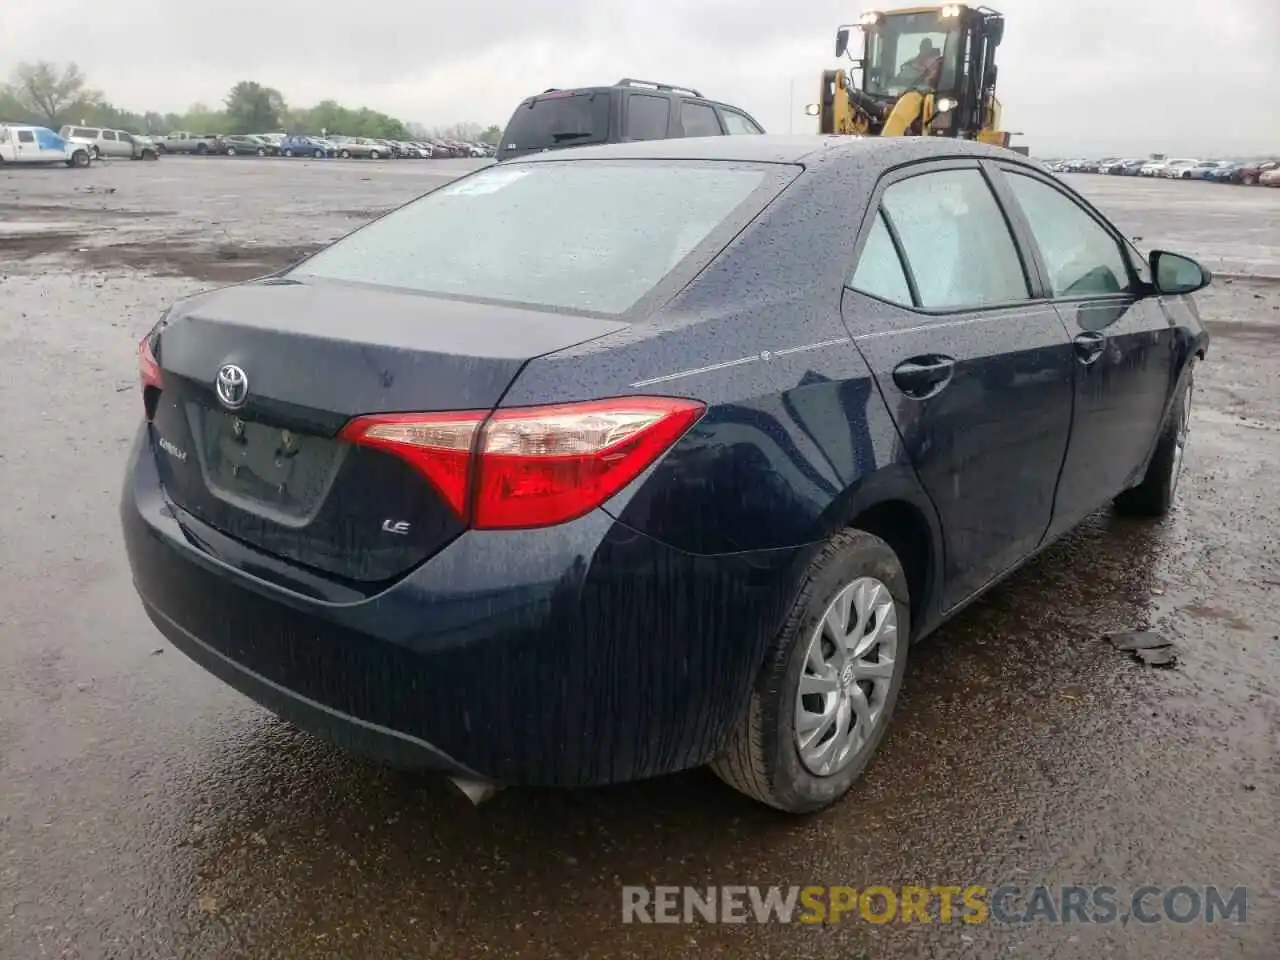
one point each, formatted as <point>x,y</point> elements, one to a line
<point>20,143</point>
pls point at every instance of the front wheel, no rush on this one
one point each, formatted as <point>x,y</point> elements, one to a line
<point>202,149</point>
<point>319,154</point>
<point>1153,497</point>
<point>262,151</point>
<point>231,151</point>
<point>374,155</point>
<point>345,154</point>
<point>826,691</point>
<point>288,153</point>
<point>80,159</point>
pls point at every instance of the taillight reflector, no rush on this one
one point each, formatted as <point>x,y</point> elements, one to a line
<point>531,466</point>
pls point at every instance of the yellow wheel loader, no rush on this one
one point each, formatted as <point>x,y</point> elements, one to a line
<point>925,71</point>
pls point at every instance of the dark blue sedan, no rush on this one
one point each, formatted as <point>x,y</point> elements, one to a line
<point>606,463</point>
<point>299,146</point>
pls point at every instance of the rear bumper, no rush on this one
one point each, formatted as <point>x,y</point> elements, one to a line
<point>351,733</point>
<point>581,654</point>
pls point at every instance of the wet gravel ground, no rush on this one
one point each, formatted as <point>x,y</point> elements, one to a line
<point>148,811</point>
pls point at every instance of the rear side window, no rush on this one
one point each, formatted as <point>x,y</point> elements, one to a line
<point>879,271</point>
<point>698,120</point>
<point>955,240</point>
<point>738,123</point>
<point>26,136</point>
<point>647,117</point>
<point>1082,258</point>
<point>584,235</point>
<point>84,133</point>
<point>557,121</point>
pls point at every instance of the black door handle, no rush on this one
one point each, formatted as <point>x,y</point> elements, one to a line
<point>922,377</point>
<point>1089,347</point>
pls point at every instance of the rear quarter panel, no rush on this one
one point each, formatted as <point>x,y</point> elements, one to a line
<point>796,437</point>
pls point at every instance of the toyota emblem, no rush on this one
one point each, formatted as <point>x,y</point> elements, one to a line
<point>232,385</point>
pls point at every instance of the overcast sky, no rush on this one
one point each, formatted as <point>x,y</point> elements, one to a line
<point>1124,76</point>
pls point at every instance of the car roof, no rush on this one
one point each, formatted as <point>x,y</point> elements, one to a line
<point>778,148</point>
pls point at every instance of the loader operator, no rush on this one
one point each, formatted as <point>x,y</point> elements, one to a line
<point>922,69</point>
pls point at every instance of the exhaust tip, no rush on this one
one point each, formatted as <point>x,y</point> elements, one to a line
<point>477,791</point>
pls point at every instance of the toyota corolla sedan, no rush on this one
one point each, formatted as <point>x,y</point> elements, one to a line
<point>594,467</point>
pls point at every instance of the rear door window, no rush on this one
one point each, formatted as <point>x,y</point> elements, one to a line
<point>880,272</point>
<point>557,120</point>
<point>739,123</point>
<point>647,117</point>
<point>699,120</point>
<point>108,135</point>
<point>955,240</point>
<point>26,136</point>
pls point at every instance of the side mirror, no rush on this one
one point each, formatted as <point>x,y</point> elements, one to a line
<point>1175,274</point>
<point>842,41</point>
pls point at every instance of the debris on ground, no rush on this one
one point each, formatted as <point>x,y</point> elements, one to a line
<point>1145,647</point>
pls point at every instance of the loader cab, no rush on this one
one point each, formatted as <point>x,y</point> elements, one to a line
<point>905,51</point>
<point>948,51</point>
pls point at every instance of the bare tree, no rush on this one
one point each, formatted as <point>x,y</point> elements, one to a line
<point>48,93</point>
<point>459,131</point>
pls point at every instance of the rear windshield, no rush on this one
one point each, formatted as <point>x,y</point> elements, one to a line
<point>557,121</point>
<point>593,236</point>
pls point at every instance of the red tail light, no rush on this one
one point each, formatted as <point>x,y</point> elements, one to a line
<point>531,466</point>
<point>149,374</point>
<point>148,368</point>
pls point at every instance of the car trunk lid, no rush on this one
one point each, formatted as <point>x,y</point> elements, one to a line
<point>258,456</point>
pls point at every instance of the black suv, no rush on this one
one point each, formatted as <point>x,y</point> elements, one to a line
<point>628,110</point>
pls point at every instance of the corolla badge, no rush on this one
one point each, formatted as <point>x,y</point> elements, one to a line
<point>232,385</point>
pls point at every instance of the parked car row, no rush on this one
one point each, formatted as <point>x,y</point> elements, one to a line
<point>306,145</point>
<point>1245,172</point>
<point>106,143</point>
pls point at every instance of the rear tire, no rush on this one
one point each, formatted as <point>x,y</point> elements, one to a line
<point>374,155</point>
<point>345,154</point>
<point>764,758</point>
<point>1154,496</point>
<point>288,153</point>
<point>231,151</point>
<point>262,151</point>
<point>202,149</point>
